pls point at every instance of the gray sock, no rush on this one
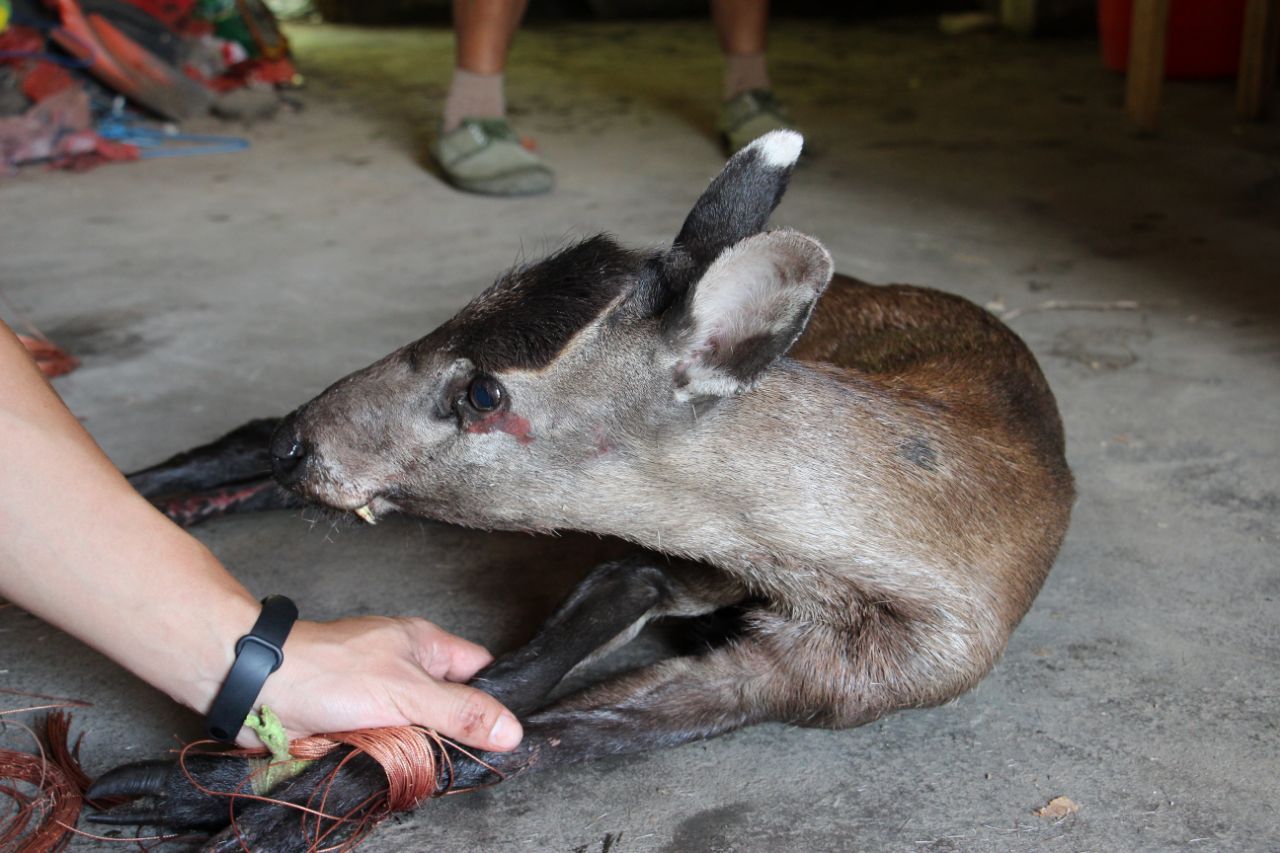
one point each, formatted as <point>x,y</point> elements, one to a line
<point>744,72</point>
<point>473,96</point>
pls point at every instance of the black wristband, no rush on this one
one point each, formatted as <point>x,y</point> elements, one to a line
<point>258,654</point>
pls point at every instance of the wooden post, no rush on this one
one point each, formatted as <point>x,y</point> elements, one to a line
<point>1146,62</point>
<point>1258,53</point>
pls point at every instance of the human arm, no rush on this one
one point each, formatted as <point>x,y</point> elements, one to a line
<point>82,550</point>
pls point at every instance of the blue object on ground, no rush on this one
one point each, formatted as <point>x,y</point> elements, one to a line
<point>159,142</point>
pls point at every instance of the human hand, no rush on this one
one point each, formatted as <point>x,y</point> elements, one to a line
<point>372,671</point>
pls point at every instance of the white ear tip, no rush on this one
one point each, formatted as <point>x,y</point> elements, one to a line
<point>779,148</point>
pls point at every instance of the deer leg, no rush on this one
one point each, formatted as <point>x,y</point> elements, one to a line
<point>606,609</point>
<point>782,669</point>
<point>232,474</point>
<point>240,455</point>
<point>604,612</point>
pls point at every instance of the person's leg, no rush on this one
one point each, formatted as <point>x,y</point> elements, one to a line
<point>477,150</point>
<point>742,26</point>
<point>750,109</point>
<point>483,30</point>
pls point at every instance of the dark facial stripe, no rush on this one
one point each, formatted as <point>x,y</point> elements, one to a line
<point>530,314</point>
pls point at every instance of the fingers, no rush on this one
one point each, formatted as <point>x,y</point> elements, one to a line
<point>447,656</point>
<point>468,716</point>
<point>465,659</point>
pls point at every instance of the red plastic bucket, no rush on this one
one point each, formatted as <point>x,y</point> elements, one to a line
<point>1203,41</point>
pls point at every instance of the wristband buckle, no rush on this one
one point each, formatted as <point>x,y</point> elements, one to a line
<point>275,650</point>
<point>258,654</point>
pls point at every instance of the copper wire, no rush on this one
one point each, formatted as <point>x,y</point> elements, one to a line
<point>51,798</point>
<point>411,757</point>
<point>39,821</point>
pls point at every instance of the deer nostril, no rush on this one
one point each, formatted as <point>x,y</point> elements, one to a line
<point>287,464</point>
<point>287,453</point>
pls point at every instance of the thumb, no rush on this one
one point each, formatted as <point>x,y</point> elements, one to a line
<point>467,715</point>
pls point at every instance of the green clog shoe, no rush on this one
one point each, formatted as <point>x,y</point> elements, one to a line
<point>484,155</point>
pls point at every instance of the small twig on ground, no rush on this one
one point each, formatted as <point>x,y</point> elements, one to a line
<point>55,702</point>
<point>997,307</point>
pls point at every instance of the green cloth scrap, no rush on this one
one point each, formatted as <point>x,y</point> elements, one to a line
<point>269,772</point>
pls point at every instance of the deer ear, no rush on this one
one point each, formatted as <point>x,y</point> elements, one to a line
<point>737,204</point>
<point>746,311</point>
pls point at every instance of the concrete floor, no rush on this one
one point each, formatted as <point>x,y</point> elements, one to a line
<point>1144,683</point>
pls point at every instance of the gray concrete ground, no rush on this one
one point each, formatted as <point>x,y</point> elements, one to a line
<point>1144,682</point>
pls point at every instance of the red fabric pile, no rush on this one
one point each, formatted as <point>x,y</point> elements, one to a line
<point>238,50</point>
<point>58,126</point>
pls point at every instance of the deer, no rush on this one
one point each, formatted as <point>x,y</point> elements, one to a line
<point>872,477</point>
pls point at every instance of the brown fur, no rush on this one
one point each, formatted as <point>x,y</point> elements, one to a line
<point>987,506</point>
<point>922,346</point>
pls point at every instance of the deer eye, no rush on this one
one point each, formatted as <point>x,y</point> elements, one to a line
<point>484,393</point>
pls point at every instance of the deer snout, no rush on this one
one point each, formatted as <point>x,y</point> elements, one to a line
<point>288,451</point>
